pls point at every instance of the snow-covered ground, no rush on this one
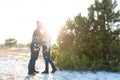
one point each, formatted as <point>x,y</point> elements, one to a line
<point>14,63</point>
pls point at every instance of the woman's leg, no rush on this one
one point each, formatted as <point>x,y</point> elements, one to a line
<point>47,54</point>
<point>48,59</point>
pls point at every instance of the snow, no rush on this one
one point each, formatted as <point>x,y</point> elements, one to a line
<point>14,63</point>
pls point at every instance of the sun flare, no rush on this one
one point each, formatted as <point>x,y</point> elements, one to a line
<point>53,29</point>
<point>24,13</point>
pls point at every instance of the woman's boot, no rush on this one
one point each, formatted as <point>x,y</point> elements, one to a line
<point>53,69</point>
<point>46,71</point>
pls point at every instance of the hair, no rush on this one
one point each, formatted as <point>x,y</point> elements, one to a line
<point>39,24</point>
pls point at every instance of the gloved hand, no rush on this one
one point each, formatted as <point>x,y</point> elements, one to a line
<point>36,47</point>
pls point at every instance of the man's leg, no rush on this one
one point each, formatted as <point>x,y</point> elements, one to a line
<point>31,66</point>
<point>34,56</point>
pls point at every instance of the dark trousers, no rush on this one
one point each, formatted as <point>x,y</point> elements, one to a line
<point>46,56</point>
<point>33,58</point>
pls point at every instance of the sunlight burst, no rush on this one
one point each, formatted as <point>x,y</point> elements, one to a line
<point>53,29</point>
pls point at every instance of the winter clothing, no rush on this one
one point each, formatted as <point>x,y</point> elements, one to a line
<point>53,69</point>
<point>46,70</point>
<point>34,57</point>
<point>34,48</point>
<point>46,45</point>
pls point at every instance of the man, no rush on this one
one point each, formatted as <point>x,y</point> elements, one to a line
<point>46,45</point>
<point>35,47</point>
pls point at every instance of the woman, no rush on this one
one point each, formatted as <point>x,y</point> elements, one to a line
<point>46,45</point>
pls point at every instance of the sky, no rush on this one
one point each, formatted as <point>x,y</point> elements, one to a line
<point>18,17</point>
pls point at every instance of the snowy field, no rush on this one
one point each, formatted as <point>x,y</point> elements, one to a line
<point>14,62</point>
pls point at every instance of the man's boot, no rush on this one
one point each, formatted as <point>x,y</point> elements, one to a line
<point>53,69</point>
<point>36,71</point>
<point>46,71</point>
<point>31,73</point>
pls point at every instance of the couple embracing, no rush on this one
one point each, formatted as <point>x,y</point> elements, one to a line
<point>40,40</point>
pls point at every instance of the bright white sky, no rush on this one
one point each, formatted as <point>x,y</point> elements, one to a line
<point>18,17</point>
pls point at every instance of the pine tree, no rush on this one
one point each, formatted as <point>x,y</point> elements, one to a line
<point>95,37</point>
<point>104,39</point>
